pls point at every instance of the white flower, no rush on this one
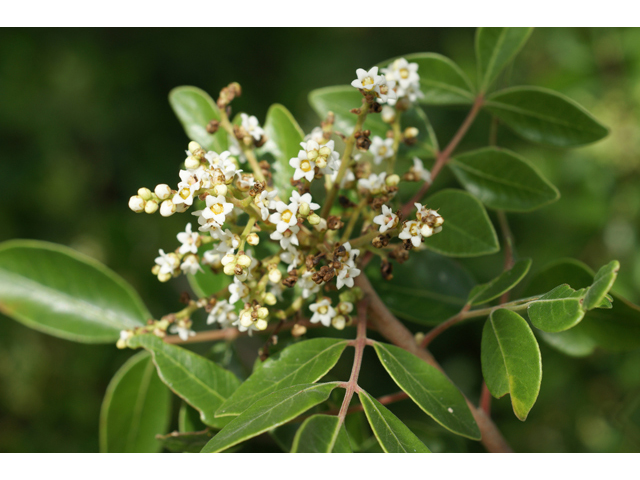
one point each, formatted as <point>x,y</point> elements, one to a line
<point>305,168</point>
<point>346,275</point>
<point>265,202</point>
<point>238,291</point>
<point>322,312</point>
<point>286,238</point>
<point>228,241</point>
<point>276,290</point>
<point>211,257</point>
<point>217,208</point>
<point>189,240</point>
<point>190,265</point>
<point>352,253</point>
<point>348,176</point>
<point>183,329</point>
<point>419,171</point>
<point>309,287</point>
<point>300,199</point>
<point>387,219</point>
<point>251,125</point>
<point>292,257</point>
<point>374,183</point>
<point>168,262</point>
<point>403,77</point>
<point>412,231</point>
<point>223,162</point>
<point>223,313</point>
<point>189,185</point>
<point>317,135</point>
<point>285,216</point>
<point>245,182</point>
<point>136,203</point>
<point>366,81</point>
<point>385,92</point>
<point>381,149</point>
<point>388,114</point>
<point>206,224</point>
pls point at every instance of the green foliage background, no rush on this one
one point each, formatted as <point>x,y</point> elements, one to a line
<point>84,122</point>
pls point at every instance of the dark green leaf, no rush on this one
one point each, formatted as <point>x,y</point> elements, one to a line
<point>503,283</point>
<point>495,47</point>
<point>58,291</point>
<point>426,144</point>
<point>503,180</point>
<point>393,435</point>
<point>428,289</point>
<point>558,310</point>
<point>198,381</point>
<point>467,230</point>
<point>545,116</point>
<point>136,407</point>
<point>208,282</point>
<point>430,389</point>
<point>271,411</point>
<point>284,435</point>
<point>602,283</point>
<point>511,361</point>
<point>321,434</point>
<point>189,442</point>
<point>195,109</point>
<point>303,362</point>
<point>189,419</point>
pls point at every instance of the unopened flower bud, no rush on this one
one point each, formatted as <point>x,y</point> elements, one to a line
<point>253,239</point>
<point>162,324</point>
<point>156,269</point>
<point>167,208</point>
<point>275,276</point>
<point>304,209</point>
<point>426,231</point>
<point>194,147</point>
<point>411,132</point>
<point>121,344</point>
<point>392,180</point>
<point>312,155</point>
<point>270,299</point>
<point>220,190</point>
<point>321,162</point>
<point>244,261</point>
<point>388,114</point>
<point>438,221</point>
<point>164,277</point>
<point>298,330</point>
<point>191,163</point>
<point>151,207</point>
<point>162,191</point>
<point>229,269</point>
<point>245,319</point>
<point>325,151</point>
<point>263,312</point>
<point>136,203</point>
<point>314,219</point>
<point>339,322</point>
<point>321,226</point>
<point>261,324</point>
<point>145,193</point>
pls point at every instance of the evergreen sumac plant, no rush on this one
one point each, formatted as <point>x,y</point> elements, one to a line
<point>342,227</point>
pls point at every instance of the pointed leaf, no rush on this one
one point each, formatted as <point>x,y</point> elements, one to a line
<point>198,381</point>
<point>503,283</point>
<point>467,230</point>
<point>495,47</point>
<point>557,310</point>
<point>303,362</point>
<point>511,361</point>
<point>189,419</point>
<point>503,180</point>
<point>321,434</point>
<point>271,411</point>
<point>545,116</point>
<point>56,290</point>
<point>136,407</point>
<point>430,389</point>
<point>602,283</point>
<point>195,109</point>
<point>190,442</point>
<point>393,435</point>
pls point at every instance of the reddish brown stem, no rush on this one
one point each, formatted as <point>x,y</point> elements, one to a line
<point>485,400</point>
<point>434,332</point>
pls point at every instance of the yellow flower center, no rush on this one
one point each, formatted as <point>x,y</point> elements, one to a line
<point>413,230</point>
<point>368,81</point>
<point>382,150</point>
<point>286,216</point>
<point>185,193</point>
<point>323,310</point>
<point>305,165</point>
<point>217,208</point>
<point>404,73</point>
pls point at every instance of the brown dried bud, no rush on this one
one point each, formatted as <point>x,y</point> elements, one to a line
<point>261,142</point>
<point>386,268</point>
<point>185,298</point>
<point>345,202</point>
<point>377,203</point>
<point>375,107</point>
<point>290,281</point>
<point>377,242</point>
<point>213,126</point>
<point>407,244</point>
<point>363,143</point>
<point>334,222</point>
<point>308,262</point>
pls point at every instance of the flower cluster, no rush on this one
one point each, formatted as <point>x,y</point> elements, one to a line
<point>404,80</point>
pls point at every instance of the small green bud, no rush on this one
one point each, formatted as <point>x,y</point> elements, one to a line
<point>194,147</point>
<point>137,203</point>
<point>314,219</point>
<point>191,163</point>
<point>229,269</point>
<point>220,190</point>
<point>392,180</point>
<point>244,261</point>
<point>145,193</point>
<point>151,207</point>
<point>270,299</point>
<point>253,239</point>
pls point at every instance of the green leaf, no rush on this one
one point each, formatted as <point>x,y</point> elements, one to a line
<point>321,434</point>
<point>428,289</point>
<point>195,109</point>
<point>393,435</point>
<point>558,310</point>
<point>503,180</point>
<point>136,407</point>
<point>441,80</point>
<point>495,47</point>
<point>430,389</point>
<point>271,411</point>
<point>503,283</point>
<point>189,442</point>
<point>303,362</point>
<point>198,381</point>
<point>602,283</point>
<point>426,144</point>
<point>511,361</point>
<point>467,230</point>
<point>208,282</point>
<point>56,290</point>
<point>189,419</point>
<point>283,142</point>
<point>546,117</point>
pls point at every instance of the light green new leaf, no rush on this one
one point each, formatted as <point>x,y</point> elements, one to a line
<point>198,381</point>
<point>467,230</point>
<point>427,290</point>
<point>495,47</point>
<point>558,310</point>
<point>56,290</point>
<point>393,435</point>
<point>195,109</point>
<point>602,283</point>
<point>503,180</point>
<point>303,362</point>
<point>503,283</point>
<point>321,434</point>
<point>430,389</point>
<point>136,408</point>
<point>511,361</point>
<point>545,116</point>
<point>269,412</point>
<point>441,80</point>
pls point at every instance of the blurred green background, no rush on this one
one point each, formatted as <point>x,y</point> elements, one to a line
<point>84,122</point>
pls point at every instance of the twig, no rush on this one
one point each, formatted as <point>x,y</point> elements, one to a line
<point>434,332</point>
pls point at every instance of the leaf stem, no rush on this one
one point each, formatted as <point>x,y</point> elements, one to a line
<point>352,221</point>
<point>397,135</point>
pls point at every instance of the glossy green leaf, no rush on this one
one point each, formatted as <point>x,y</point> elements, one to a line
<point>303,362</point>
<point>467,230</point>
<point>441,80</point>
<point>198,381</point>
<point>136,407</point>
<point>602,283</point>
<point>189,419</point>
<point>503,283</point>
<point>427,289</point>
<point>189,442</point>
<point>545,116</point>
<point>208,282</point>
<point>430,389</point>
<point>195,109</point>
<point>393,435</point>
<point>284,435</point>
<point>283,142</point>
<point>269,412</point>
<point>558,310</point>
<point>321,434</point>
<point>511,361</point>
<point>56,290</point>
<point>503,180</point>
<point>426,144</point>
<point>495,47</point>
